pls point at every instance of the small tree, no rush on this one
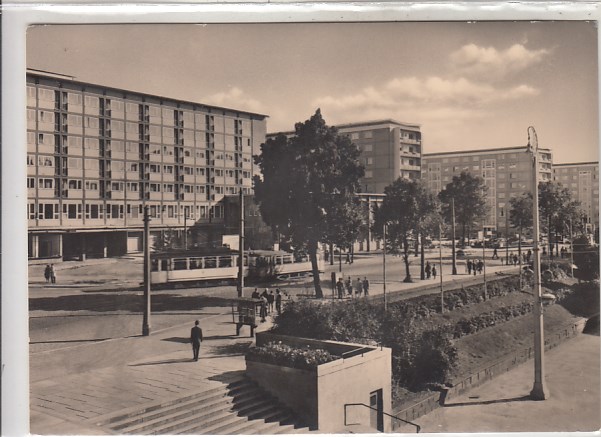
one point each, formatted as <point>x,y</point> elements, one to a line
<point>406,203</point>
<point>468,193</point>
<point>586,258</point>
<point>555,204</point>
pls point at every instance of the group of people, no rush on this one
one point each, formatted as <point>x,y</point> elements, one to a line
<point>476,266</point>
<point>358,286</point>
<point>268,300</point>
<point>50,274</point>
<point>430,270</point>
<point>514,259</point>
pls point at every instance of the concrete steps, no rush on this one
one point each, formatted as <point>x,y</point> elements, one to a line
<point>240,407</point>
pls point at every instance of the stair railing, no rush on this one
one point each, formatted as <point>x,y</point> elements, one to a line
<point>417,427</point>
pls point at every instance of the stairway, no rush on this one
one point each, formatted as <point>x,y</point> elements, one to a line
<point>240,407</point>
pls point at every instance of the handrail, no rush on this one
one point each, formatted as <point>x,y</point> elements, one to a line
<point>418,428</point>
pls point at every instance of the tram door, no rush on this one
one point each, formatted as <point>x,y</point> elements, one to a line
<point>376,412</point>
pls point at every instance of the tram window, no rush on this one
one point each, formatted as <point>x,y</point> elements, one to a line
<point>154,265</point>
<point>210,262</point>
<point>287,259</point>
<point>164,265</point>
<point>225,261</point>
<point>195,263</point>
<point>278,260</point>
<point>180,264</point>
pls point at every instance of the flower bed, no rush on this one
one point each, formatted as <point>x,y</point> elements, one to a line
<point>281,354</point>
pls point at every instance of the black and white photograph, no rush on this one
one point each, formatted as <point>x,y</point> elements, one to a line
<point>313,227</point>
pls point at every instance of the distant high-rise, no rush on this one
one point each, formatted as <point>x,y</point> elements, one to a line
<point>506,173</point>
<point>582,179</point>
<point>389,150</point>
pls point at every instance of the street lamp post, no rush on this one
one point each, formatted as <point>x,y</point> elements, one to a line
<point>146,316</point>
<point>241,248</point>
<point>539,389</point>
<point>384,269</point>
<point>454,257</point>
<point>185,229</point>
<point>484,264</point>
<point>440,261</point>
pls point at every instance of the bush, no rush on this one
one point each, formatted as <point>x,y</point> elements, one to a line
<point>586,258</point>
<point>287,356</point>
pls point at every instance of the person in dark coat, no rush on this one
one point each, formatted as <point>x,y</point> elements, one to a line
<point>480,266</point>
<point>340,288</point>
<point>365,286</point>
<point>278,301</point>
<point>428,270</point>
<point>470,266</point>
<point>434,271</point>
<point>195,339</point>
<point>255,294</point>
<point>270,301</point>
<point>47,273</point>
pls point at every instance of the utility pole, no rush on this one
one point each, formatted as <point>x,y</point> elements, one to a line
<point>506,236</point>
<point>454,258</point>
<point>440,260</point>
<point>185,229</point>
<point>384,269</point>
<point>484,264</point>
<point>539,390</point>
<point>571,249</point>
<point>146,240</point>
<point>241,248</point>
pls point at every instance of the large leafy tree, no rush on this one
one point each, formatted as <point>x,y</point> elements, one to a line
<point>406,204</point>
<point>307,187</point>
<point>468,192</point>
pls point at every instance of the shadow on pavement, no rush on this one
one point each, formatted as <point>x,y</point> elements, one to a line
<point>177,339</point>
<point>494,401</point>
<point>88,340</point>
<point>155,363</point>
<point>231,350</point>
<point>125,302</point>
<point>227,377</point>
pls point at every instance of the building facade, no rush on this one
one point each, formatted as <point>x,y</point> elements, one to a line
<point>582,179</point>
<point>389,150</point>
<point>506,173</point>
<point>97,156</point>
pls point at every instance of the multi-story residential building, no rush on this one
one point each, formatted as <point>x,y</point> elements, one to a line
<point>389,150</point>
<point>506,173</point>
<point>582,178</point>
<point>97,156</point>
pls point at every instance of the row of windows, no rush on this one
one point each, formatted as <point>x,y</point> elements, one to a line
<point>116,108</point>
<point>52,211</point>
<point>502,157</point>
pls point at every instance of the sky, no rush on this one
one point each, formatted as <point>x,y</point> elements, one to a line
<point>473,85</point>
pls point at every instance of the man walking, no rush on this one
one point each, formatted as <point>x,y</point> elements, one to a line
<point>195,339</point>
<point>365,286</point>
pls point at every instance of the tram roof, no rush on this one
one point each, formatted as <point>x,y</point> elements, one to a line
<point>218,251</point>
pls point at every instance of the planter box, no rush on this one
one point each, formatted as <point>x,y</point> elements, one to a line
<point>322,397</point>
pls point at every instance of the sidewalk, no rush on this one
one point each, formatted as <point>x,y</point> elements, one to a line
<point>502,405</point>
<point>104,378</point>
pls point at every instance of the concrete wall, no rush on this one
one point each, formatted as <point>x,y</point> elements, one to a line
<point>319,397</point>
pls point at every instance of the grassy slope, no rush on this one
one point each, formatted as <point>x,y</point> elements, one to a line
<point>493,343</point>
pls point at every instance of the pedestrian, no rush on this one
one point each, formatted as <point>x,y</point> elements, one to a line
<point>348,258</point>
<point>340,288</point>
<point>358,287</point>
<point>265,293</point>
<point>428,270</point>
<point>263,311</point>
<point>528,256</point>
<point>365,286</point>
<point>270,301</point>
<point>47,273</point>
<point>278,301</point>
<point>326,255</point>
<point>434,271</point>
<point>195,339</point>
<point>470,266</point>
<point>495,255</point>
<point>515,260</point>
<point>349,286</point>
<point>480,266</point>
<point>52,274</point>
<point>255,294</point>
<point>524,258</point>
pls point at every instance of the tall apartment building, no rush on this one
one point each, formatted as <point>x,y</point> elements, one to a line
<point>582,178</point>
<point>389,150</point>
<point>97,156</point>
<point>505,171</point>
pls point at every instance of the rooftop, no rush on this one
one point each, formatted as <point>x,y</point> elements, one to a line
<point>474,152</point>
<point>359,124</point>
<point>575,164</point>
<point>66,78</point>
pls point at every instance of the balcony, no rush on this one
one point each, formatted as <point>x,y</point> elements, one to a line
<point>406,140</point>
<point>408,167</point>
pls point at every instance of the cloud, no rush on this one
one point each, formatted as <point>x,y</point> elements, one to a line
<point>428,91</point>
<point>473,60</point>
<point>235,98</point>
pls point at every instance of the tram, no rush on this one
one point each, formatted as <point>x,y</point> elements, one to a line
<point>222,264</point>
